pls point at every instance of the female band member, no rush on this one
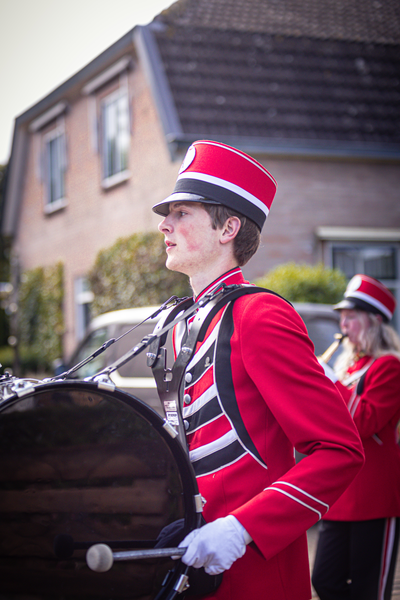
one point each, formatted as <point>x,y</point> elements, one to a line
<point>356,553</point>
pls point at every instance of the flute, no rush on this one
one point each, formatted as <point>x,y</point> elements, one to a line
<point>330,351</point>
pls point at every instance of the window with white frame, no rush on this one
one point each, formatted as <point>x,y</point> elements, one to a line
<point>50,140</point>
<point>110,119</point>
<point>379,261</point>
<point>115,133</point>
<point>54,167</point>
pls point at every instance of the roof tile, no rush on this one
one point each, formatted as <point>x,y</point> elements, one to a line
<point>284,70</point>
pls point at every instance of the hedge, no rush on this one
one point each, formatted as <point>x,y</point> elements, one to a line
<point>41,322</point>
<point>305,283</point>
<point>132,273</point>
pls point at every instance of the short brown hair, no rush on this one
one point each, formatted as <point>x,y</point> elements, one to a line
<point>248,239</point>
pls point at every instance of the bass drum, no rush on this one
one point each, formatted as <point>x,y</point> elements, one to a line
<point>81,465</point>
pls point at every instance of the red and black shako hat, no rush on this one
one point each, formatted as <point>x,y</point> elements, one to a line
<point>214,173</point>
<point>369,294</point>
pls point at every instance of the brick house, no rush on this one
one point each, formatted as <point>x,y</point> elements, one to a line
<point>311,88</point>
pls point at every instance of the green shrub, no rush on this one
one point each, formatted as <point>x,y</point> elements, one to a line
<point>305,283</point>
<point>41,321</point>
<point>133,273</point>
<point>29,361</point>
<point>6,357</point>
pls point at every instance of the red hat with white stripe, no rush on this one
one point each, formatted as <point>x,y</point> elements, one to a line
<point>370,295</point>
<point>214,173</point>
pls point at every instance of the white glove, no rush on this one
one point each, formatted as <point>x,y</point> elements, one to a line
<point>216,545</point>
<point>329,372</point>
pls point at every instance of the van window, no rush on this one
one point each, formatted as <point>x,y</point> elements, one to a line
<point>137,367</point>
<point>92,343</point>
<point>321,332</point>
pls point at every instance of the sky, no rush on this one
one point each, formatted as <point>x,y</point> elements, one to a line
<point>44,42</point>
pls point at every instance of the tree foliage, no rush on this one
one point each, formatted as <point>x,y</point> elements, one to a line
<point>41,321</point>
<point>305,283</point>
<point>132,273</point>
<point>4,260</point>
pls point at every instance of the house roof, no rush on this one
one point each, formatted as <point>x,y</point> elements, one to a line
<point>376,21</point>
<point>281,76</point>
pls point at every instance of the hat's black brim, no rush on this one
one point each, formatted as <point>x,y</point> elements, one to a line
<point>162,208</point>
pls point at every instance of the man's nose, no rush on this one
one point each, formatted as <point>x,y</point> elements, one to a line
<point>164,225</point>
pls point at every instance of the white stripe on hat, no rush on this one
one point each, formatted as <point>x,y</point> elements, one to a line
<point>369,300</point>
<point>227,185</point>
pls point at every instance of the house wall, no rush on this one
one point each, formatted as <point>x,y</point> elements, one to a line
<point>94,217</point>
<point>310,193</point>
<point>313,193</point>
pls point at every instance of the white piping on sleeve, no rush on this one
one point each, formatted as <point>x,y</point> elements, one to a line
<point>303,492</point>
<point>296,500</point>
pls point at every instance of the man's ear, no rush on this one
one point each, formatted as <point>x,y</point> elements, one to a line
<point>230,229</point>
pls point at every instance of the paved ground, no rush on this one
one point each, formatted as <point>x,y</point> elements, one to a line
<point>312,536</point>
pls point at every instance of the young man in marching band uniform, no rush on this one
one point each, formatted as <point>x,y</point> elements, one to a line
<point>356,555</point>
<point>254,391</point>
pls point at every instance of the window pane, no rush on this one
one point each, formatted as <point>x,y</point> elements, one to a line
<point>123,131</point>
<point>94,341</point>
<point>83,300</point>
<point>115,135</point>
<point>55,175</point>
<point>380,263</point>
<point>344,260</point>
<point>376,261</point>
<point>109,139</point>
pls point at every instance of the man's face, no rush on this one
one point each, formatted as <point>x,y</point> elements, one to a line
<point>192,244</point>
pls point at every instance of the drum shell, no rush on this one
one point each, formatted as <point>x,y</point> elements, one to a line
<point>95,466</point>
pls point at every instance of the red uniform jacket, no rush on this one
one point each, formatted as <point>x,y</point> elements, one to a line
<point>375,492</point>
<point>254,391</point>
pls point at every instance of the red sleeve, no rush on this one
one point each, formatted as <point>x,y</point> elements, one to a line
<point>379,402</point>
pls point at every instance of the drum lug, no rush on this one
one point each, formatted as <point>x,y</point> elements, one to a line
<point>182,584</point>
<point>199,502</point>
<point>21,388</point>
<point>104,383</point>
<point>168,427</point>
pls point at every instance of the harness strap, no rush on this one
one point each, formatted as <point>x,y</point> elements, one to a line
<point>360,384</point>
<point>154,347</point>
<point>170,381</point>
<point>358,376</point>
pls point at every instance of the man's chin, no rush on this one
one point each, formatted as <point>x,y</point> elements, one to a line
<point>174,266</point>
<point>171,264</point>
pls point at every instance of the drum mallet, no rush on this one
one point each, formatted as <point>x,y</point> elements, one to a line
<point>100,557</point>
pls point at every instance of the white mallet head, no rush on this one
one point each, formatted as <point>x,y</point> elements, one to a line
<point>99,558</point>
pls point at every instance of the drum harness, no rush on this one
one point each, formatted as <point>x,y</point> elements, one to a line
<point>169,381</point>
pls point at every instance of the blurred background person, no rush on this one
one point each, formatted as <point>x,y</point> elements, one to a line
<point>358,539</point>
